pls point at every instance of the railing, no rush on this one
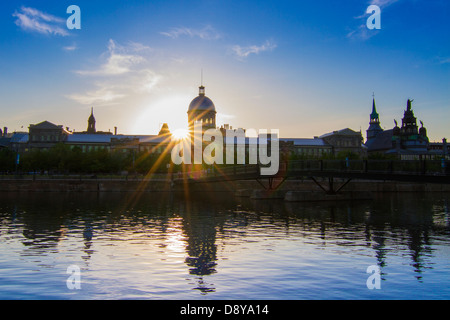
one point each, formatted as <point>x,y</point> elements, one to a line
<point>292,168</point>
<point>361,167</point>
<point>416,167</point>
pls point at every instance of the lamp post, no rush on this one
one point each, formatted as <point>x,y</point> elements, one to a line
<point>17,161</point>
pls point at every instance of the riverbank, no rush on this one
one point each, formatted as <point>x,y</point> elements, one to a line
<point>247,188</point>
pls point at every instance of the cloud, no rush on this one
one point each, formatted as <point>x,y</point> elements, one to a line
<point>207,33</point>
<point>362,33</point>
<point>30,19</point>
<point>243,52</point>
<point>382,3</point>
<point>443,60</point>
<point>99,96</point>
<point>122,72</point>
<point>118,62</point>
<point>70,48</point>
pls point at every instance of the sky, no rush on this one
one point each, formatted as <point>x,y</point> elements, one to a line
<point>303,67</point>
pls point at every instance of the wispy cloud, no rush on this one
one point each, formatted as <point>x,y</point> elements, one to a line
<point>31,19</point>
<point>362,33</point>
<point>99,96</point>
<point>119,61</point>
<point>244,52</point>
<point>122,72</point>
<point>70,48</point>
<point>382,3</point>
<point>443,60</point>
<point>206,33</point>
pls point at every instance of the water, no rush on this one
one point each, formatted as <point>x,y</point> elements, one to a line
<point>214,246</point>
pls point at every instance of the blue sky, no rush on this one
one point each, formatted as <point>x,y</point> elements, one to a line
<point>303,67</point>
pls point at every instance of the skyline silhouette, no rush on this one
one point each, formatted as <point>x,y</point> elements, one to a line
<point>303,68</point>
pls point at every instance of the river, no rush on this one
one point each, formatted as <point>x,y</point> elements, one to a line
<point>214,246</point>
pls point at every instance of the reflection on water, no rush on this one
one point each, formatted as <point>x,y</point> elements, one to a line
<point>216,246</point>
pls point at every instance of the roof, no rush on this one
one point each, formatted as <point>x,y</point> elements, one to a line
<point>345,131</point>
<point>202,103</point>
<point>106,138</point>
<point>248,140</point>
<point>316,142</point>
<point>4,142</point>
<point>89,138</point>
<point>45,125</point>
<point>374,114</point>
<point>19,137</point>
<point>382,141</point>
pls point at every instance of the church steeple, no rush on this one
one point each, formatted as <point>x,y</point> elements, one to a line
<point>374,123</point>
<point>91,123</point>
<point>374,117</point>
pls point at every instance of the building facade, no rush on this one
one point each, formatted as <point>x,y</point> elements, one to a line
<point>346,142</point>
<point>45,135</point>
<point>408,142</point>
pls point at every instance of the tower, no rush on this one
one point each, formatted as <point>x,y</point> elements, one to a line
<point>409,121</point>
<point>409,137</point>
<point>91,123</point>
<point>374,123</point>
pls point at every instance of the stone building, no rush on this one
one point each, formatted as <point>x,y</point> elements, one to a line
<point>45,135</point>
<point>408,142</point>
<point>345,141</point>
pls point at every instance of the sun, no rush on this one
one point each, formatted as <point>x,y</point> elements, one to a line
<point>180,133</point>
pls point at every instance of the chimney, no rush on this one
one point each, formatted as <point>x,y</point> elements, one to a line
<point>444,146</point>
<point>115,131</point>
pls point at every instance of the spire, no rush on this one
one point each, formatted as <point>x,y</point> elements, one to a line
<point>374,124</point>
<point>374,117</point>
<point>91,117</point>
<point>91,122</point>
